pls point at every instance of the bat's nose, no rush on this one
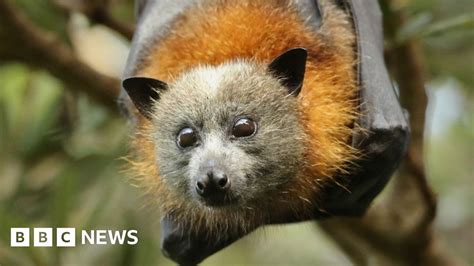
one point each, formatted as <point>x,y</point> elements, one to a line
<point>212,184</point>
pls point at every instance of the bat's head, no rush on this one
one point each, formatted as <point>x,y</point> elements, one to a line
<point>229,135</point>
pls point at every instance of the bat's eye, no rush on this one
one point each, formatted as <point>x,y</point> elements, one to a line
<point>186,138</point>
<point>244,127</point>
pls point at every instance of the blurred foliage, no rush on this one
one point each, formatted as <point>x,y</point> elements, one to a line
<point>59,166</point>
<point>46,15</point>
<point>60,156</point>
<point>447,31</point>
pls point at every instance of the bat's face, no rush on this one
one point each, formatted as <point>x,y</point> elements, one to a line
<point>227,135</point>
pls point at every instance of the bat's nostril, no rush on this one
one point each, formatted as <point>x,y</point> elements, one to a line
<point>223,182</point>
<point>201,187</point>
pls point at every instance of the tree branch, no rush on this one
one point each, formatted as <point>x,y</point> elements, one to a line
<point>98,12</point>
<point>399,229</point>
<point>23,41</point>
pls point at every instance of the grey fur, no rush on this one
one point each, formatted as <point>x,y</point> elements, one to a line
<point>209,99</point>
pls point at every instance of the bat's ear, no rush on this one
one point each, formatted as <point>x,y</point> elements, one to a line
<point>290,67</point>
<point>143,92</point>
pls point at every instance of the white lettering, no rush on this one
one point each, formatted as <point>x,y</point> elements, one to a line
<point>101,236</point>
<point>133,237</point>
<point>117,235</point>
<point>88,237</point>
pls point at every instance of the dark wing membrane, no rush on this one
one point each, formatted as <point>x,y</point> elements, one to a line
<point>382,118</point>
<point>188,249</point>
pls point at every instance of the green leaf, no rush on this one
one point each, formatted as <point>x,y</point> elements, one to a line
<point>461,22</point>
<point>414,27</point>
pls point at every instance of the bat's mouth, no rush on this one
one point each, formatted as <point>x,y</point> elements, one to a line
<point>220,200</point>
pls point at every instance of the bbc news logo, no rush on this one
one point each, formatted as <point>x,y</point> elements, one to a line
<point>66,237</point>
